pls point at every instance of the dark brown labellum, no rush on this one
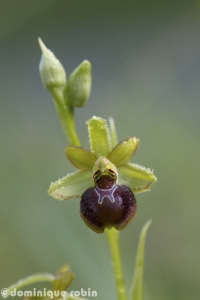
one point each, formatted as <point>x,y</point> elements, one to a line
<point>107,204</point>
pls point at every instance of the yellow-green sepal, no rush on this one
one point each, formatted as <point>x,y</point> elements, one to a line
<point>71,186</point>
<point>99,136</point>
<point>81,158</point>
<point>137,178</point>
<point>122,153</point>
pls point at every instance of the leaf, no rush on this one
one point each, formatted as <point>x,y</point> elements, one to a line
<point>123,152</point>
<point>137,286</point>
<point>138,178</point>
<point>81,158</point>
<point>99,136</point>
<point>71,186</point>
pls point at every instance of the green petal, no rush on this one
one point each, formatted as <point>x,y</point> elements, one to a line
<point>138,178</point>
<point>71,186</point>
<point>99,136</point>
<point>123,152</point>
<point>81,158</point>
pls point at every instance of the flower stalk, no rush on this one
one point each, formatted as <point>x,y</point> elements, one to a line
<point>54,79</point>
<point>41,277</point>
<point>113,239</point>
<point>66,116</point>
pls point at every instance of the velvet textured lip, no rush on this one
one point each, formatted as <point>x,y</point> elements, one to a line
<point>106,181</point>
<point>107,205</point>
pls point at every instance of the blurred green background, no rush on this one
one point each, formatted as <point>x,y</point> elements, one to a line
<point>146,74</point>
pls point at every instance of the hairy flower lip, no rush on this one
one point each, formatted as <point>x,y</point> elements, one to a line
<point>108,205</point>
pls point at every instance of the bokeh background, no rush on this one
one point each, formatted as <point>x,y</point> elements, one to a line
<point>146,74</point>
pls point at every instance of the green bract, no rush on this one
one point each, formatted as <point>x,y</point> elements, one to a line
<point>72,186</point>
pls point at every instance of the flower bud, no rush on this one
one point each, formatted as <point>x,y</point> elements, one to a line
<point>79,85</point>
<point>63,278</point>
<point>51,70</point>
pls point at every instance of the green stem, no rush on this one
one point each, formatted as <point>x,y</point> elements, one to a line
<point>31,279</point>
<point>113,238</point>
<point>66,116</point>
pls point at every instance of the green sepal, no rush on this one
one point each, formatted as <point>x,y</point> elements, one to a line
<point>137,286</point>
<point>99,136</point>
<point>113,132</point>
<point>137,178</point>
<point>81,158</point>
<point>63,278</point>
<point>71,186</point>
<point>123,152</point>
<point>79,85</point>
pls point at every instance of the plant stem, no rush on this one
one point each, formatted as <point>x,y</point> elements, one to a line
<point>31,279</point>
<point>66,116</point>
<point>113,238</point>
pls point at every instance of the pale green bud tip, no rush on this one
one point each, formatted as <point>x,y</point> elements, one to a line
<point>51,70</point>
<point>79,85</point>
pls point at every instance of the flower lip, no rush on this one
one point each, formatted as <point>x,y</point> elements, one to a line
<point>107,205</point>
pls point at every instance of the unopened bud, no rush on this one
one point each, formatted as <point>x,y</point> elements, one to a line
<point>79,85</point>
<point>51,70</point>
<point>63,278</point>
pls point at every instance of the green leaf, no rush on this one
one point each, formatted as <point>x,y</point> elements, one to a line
<point>81,158</point>
<point>99,136</point>
<point>71,186</point>
<point>138,178</point>
<point>137,286</point>
<point>123,152</point>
